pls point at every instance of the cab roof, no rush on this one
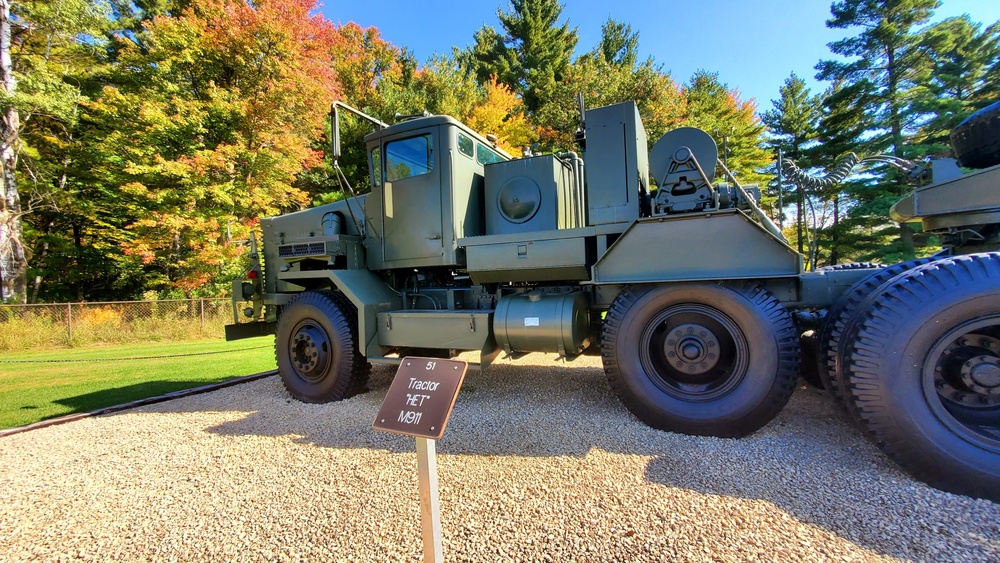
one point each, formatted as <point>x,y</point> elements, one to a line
<point>430,121</point>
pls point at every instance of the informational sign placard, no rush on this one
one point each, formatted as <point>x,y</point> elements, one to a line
<point>421,396</point>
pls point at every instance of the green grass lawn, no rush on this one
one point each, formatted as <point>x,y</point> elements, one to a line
<point>95,377</point>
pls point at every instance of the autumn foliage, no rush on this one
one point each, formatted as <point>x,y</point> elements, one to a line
<point>193,119</point>
<point>219,107</point>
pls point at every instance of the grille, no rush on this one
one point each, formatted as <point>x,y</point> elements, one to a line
<point>303,249</point>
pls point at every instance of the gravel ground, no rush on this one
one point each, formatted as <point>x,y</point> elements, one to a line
<point>540,462</point>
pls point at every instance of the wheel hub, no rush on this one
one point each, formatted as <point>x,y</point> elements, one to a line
<point>691,349</point>
<point>310,352</point>
<point>982,374</point>
<point>968,371</point>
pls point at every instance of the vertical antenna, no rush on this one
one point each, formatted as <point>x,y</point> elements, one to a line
<point>781,204</point>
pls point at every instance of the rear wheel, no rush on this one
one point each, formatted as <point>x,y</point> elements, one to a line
<point>925,377</point>
<point>842,316</point>
<point>717,360</point>
<point>315,349</point>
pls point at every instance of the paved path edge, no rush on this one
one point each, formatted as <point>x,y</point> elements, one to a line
<point>138,403</point>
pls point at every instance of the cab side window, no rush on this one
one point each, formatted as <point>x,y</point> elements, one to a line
<point>487,156</point>
<point>465,145</point>
<point>406,158</point>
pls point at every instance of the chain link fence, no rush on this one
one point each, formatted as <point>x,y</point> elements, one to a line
<point>27,327</point>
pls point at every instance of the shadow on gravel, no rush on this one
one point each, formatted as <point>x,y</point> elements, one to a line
<point>121,395</point>
<point>810,461</point>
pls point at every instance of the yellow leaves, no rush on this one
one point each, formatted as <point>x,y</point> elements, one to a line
<point>500,113</point>
<point>134,188</point>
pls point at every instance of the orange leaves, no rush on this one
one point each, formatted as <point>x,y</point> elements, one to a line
<point>361,58</point>
<point>274,54</point>
<point>211,125</point>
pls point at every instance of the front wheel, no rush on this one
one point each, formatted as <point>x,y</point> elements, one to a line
<point>315,349</point>
<point>714,360</point>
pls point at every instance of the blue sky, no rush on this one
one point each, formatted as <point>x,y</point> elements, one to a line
<point>753,45</point>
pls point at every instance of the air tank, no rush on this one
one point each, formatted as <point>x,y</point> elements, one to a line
<point>543,321</point>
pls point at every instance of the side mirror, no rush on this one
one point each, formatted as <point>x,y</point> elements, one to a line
<point>334,134</point>
<point>335,127</point>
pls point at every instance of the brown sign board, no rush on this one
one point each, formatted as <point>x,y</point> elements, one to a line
<point>420,397</point>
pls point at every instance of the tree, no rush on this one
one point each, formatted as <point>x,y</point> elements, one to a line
<point>856,231</point>
<point>954,79</point>
<point>793,120</point>
<point>531,57</point>
<point>12,261</point>
<point>718,110</point>
<point>609,74</point>
<point>792,124</point>
<point>887,56</point>
<point>887,60</point>
<point>619,44</point>
<point>500,113</point>
<point>47,54</point>
<point>206,128</point>
<point>657,96</point>
<point>374,76</point>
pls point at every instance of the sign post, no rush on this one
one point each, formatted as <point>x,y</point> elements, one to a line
<point>430,513</point>
<point>418,404</point>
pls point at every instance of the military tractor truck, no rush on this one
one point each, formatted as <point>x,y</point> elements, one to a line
<point>689,293</point>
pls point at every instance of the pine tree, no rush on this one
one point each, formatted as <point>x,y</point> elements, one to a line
<point>954,80</point>
<point>619,44</point>
<point>531,57</point>
<point>793,123</point>
<point>793,120</point>
<point>887,56</point>
<point>842,129</point>
<point>886,61</point>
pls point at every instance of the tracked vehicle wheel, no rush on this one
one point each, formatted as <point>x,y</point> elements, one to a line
<point>925,378</point>
<point>315,348</point>
<point>715,360</point>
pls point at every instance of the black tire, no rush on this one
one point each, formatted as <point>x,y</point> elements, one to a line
<point>361,369</point>
<point>841,317</point>
<point>976,141</point>
<point>925,376</point>
<point>315,348</point>
<point>729,394</point>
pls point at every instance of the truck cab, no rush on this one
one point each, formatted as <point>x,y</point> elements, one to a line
<point>427,188</point>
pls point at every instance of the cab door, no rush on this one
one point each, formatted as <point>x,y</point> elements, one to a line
<point>412,207</point>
